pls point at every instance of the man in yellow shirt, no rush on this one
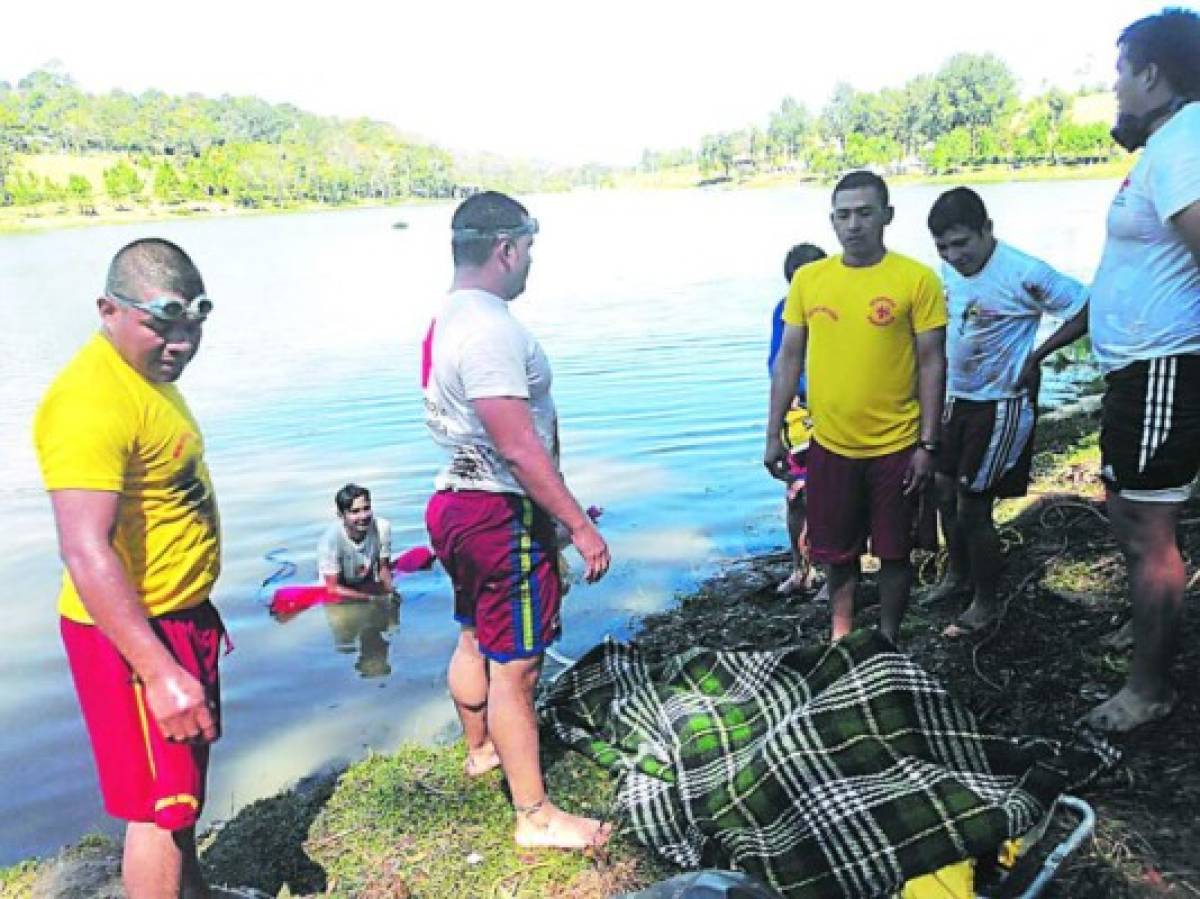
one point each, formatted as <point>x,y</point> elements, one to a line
<point>138,532</point>
<point>868,327</point>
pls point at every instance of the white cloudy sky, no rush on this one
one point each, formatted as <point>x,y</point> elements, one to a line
<point>553,79</point>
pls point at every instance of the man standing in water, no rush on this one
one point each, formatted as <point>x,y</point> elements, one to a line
<point>868,326</point>
<point>354,555</point>
<point>996,296</point>
<point>1145,324</point>
<point>123,461</point>
<point>488,404</point>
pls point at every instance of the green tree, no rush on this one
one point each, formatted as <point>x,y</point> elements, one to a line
<point>839,115</point>
<point>951,151</point>
<point>79,189</point>
<point>790,127</point>
<point>121,181</point>
<point>167,187</point>
<point>978,90</point>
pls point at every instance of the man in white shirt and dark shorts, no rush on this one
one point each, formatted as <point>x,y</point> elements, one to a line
<point>492,520</point>
<point>996,296</point>
<point>1144,320</point>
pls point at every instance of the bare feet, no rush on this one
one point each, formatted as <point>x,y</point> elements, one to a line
<point>1127,711</point>
<point>798,581</point>
<point>1121,639</point>
<point>545,826</point>
<point>947,587</point>
<point>482,760</point>
<point>976,618</point>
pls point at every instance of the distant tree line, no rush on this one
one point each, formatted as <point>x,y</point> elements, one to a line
<point>237,150</point>
<point>968,113</point>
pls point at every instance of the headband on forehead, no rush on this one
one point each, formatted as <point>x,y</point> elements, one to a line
<point>529,226</point>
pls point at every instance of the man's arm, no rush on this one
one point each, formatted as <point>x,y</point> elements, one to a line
<point>789,363</point>
<point>1068,332</point>
<point>86,520</point>
<point>1187,223</point>
<point>383,528</point>
<point>931,393</point>
<point>509,423</point>
<point>334,587</point>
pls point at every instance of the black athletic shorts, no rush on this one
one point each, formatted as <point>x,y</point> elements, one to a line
<point>987,445</point>
<point>1150,429</point>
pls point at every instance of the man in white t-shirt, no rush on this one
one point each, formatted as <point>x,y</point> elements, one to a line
<point>996,297</point>
<point>354,555</point>
<point>1144,319</point>
<point>492,519</point>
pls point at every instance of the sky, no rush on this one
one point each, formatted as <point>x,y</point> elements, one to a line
<point>554,80</point>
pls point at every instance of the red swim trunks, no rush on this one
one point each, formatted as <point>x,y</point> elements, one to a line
<point>143,777</point>
<point>500,552</point>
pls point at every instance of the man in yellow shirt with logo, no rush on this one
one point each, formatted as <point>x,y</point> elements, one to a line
<point>868,327</point>
<point>138,532</point>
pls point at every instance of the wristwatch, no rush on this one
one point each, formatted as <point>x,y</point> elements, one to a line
<point>930,446</point>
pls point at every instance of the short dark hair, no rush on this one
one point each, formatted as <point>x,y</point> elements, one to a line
<point>1171,40</point>
<point>345,497</point>
<point>800,254</point>
<point>862,178</point>
<point>960,206</point>
<point>152,263</point>
<point>487,211</point>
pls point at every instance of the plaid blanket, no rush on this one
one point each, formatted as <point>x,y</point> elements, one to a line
<point>825,771</point>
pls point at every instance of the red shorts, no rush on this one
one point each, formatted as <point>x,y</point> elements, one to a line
<point>851,499</point>
<point>143,777</point>
<point>502,557</point>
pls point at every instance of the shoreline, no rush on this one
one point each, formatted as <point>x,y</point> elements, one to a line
<point>15,222</point>
<point>41,219</point>
<point>408,823</point>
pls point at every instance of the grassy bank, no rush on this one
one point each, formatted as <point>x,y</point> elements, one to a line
<point>100,211</point>
<point>992,174</point>
<point>410,824</point>
<point>52,216</point>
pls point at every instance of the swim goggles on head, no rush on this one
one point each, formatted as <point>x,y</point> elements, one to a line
<point>529,226</point>
<point>169,309</point>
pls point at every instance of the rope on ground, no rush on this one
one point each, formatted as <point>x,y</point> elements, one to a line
<point>1059,507</point>
<point>1035,572</point>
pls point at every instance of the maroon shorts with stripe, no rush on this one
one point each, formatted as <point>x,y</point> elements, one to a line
<point>852,499</point>
<point>143,776</point>
<point>502,557</point>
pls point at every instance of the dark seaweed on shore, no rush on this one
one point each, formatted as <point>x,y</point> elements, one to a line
<point>1035,674</point>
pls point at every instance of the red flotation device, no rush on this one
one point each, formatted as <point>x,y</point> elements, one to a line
<point>295,598</point>
<point>419,558</point>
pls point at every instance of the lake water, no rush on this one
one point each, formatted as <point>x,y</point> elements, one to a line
<point>653,308</point>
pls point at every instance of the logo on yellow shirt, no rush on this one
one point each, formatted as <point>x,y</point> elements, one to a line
<point>181,444</point>
<point>882,311</point>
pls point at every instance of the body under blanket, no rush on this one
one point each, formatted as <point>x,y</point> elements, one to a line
<point>824,771</point>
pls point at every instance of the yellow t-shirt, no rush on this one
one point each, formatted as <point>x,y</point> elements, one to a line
<point>102,426</point>
<point>861,361</point>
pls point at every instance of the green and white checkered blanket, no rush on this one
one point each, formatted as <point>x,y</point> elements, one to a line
<point>824,771</point>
